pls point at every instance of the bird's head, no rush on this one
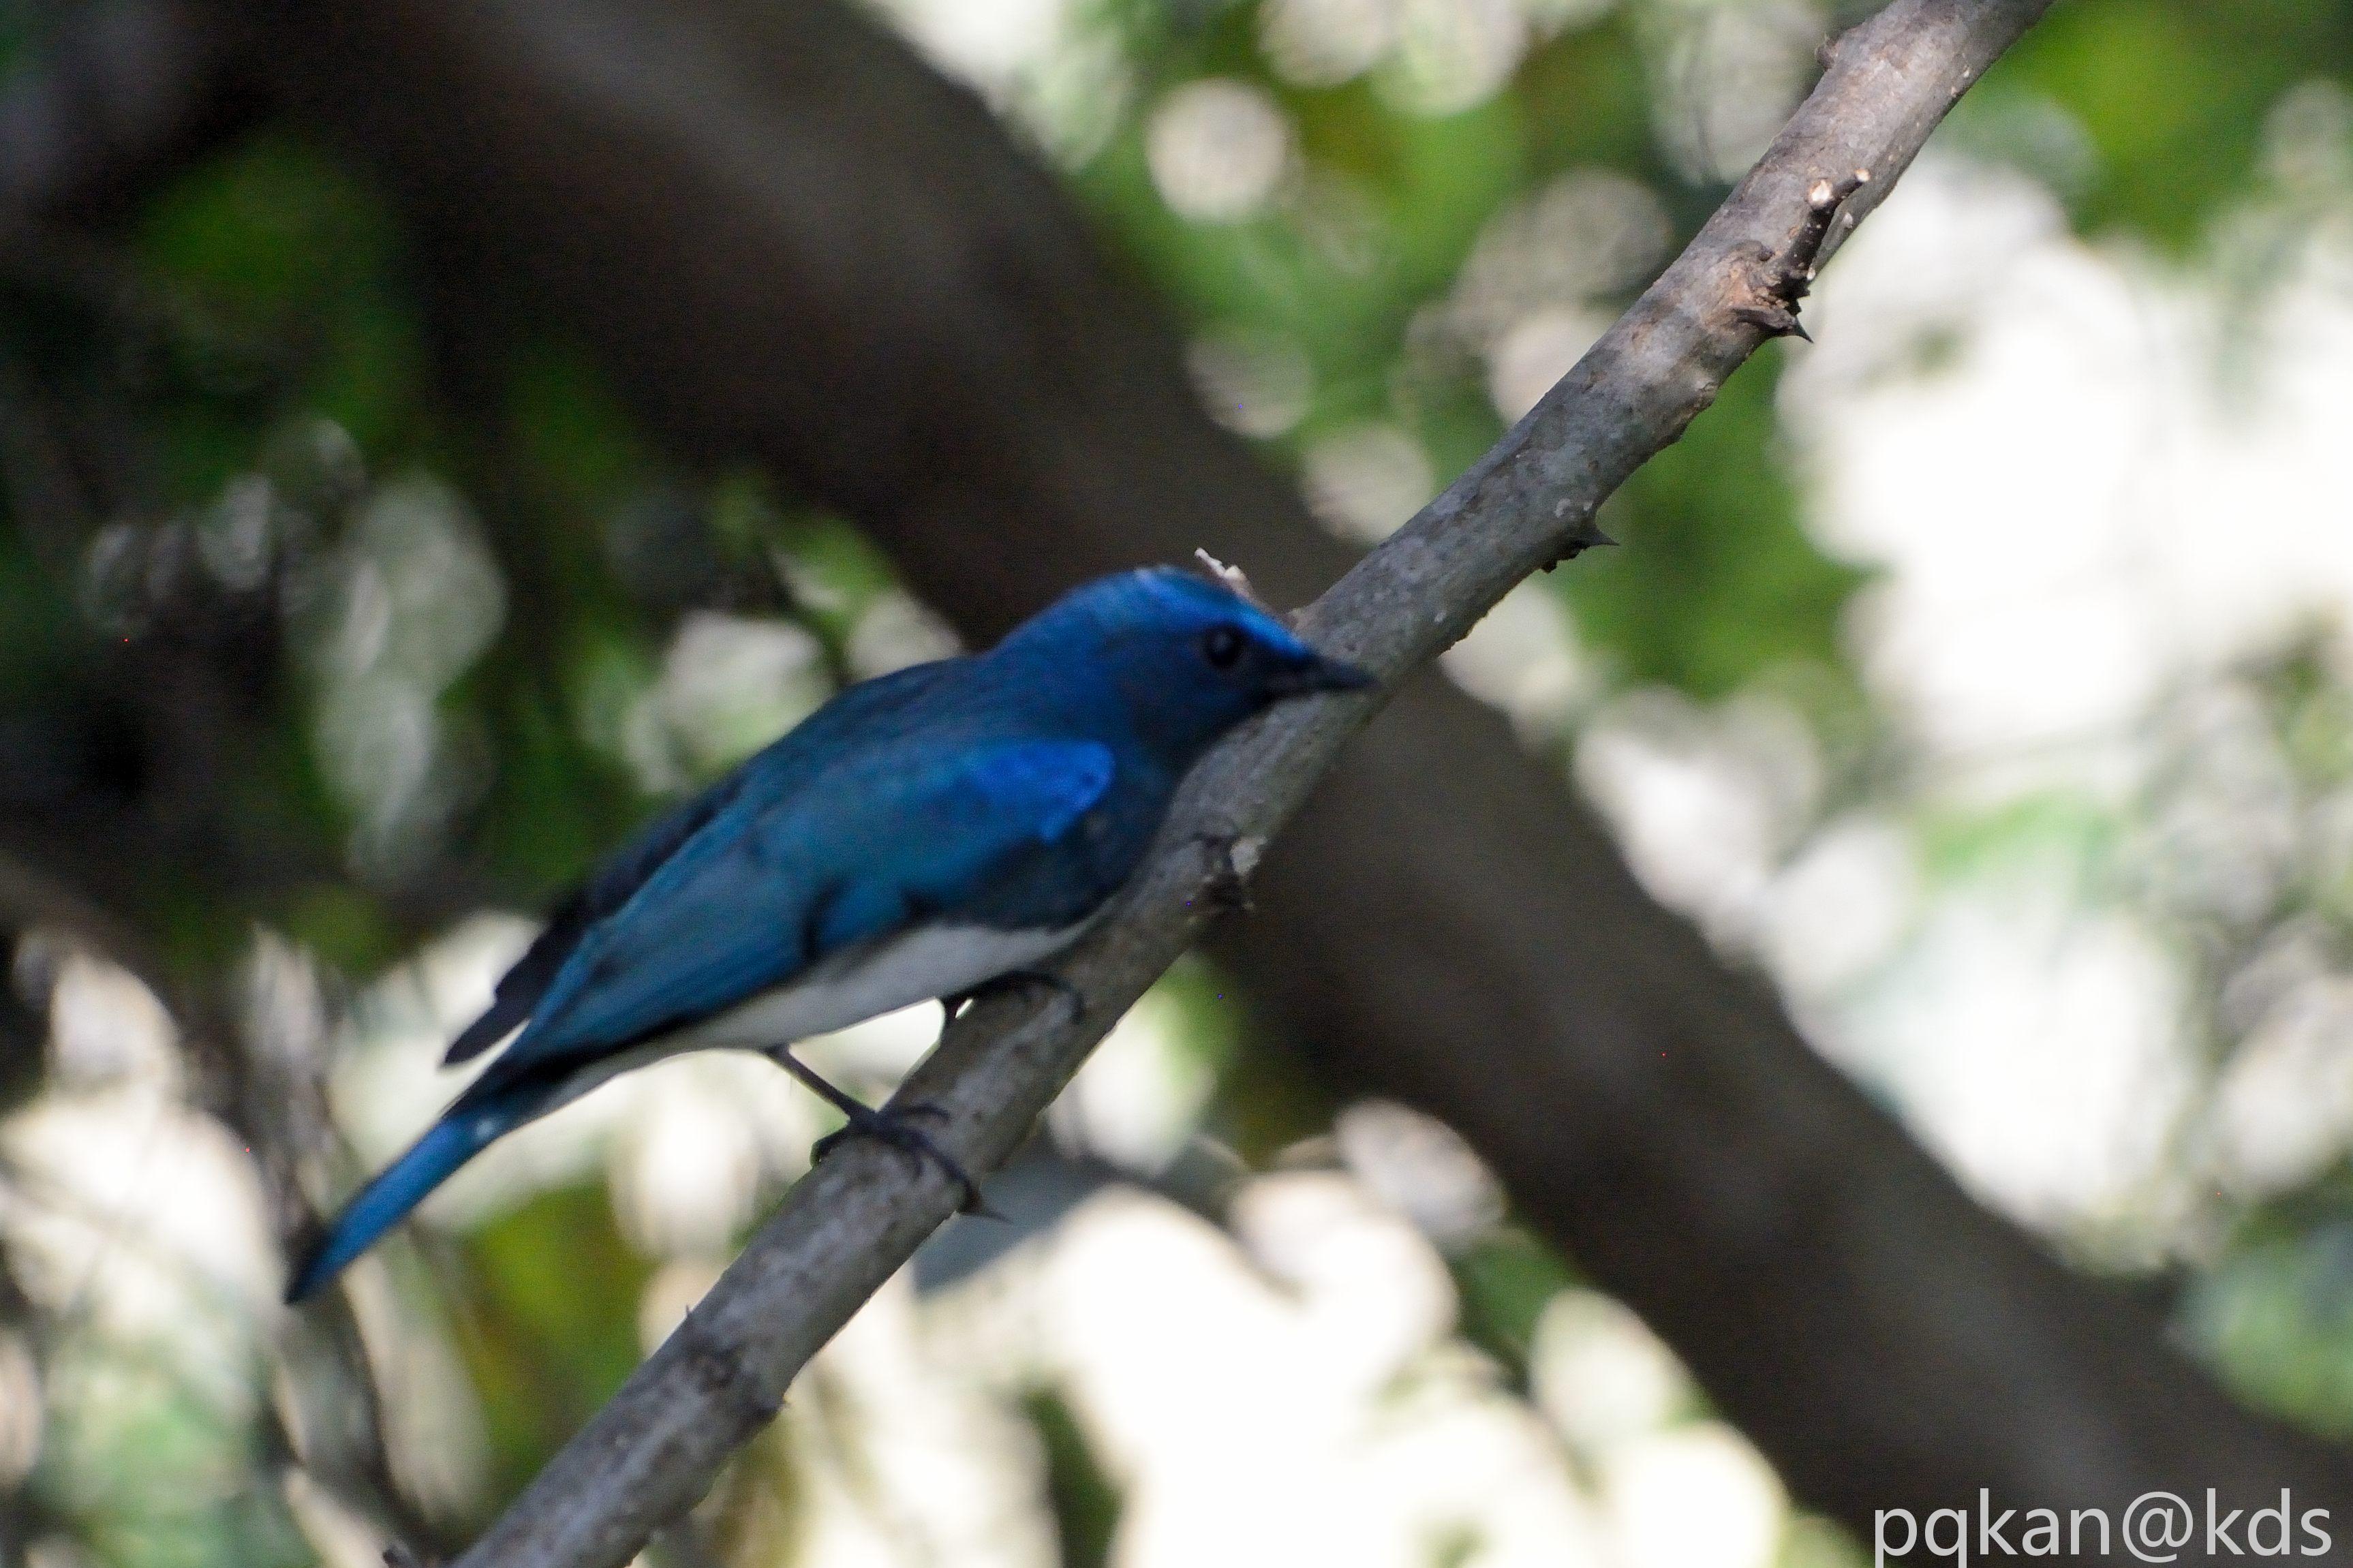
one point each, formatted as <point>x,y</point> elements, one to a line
<point>1185,660</point>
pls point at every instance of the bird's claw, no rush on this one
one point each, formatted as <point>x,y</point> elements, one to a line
<point>894,1125</point>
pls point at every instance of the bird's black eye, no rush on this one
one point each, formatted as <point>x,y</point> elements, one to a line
<point>1222,647</point>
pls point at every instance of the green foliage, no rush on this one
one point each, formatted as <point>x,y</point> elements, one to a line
<point>1585,100</point>
<point>1084,1500</point>
<point>115,1417</point>
<point>1715,582</point>
<point>563,464</point>
<point>550,1324</point>
<point>1266,1102</point>
<point>1412,194</point>
<point>2172,96</point>
<point>2276,1319</point>
<point>278,270</point>
<point>1455,1547</point>
<point>1504,1279</point>
<point>834,572</point>
<point>343,926</point>
<point>2037,832</point>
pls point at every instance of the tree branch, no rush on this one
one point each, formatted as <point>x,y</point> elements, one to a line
<point>657,1447</point>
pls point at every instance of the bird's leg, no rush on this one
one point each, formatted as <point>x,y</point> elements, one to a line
<point>891,1124</point>
<point>1020,979</point>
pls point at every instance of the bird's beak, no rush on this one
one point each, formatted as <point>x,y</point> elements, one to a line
<point>1321,674</point>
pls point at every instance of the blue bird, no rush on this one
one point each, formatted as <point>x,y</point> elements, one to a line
<point>923,834</point>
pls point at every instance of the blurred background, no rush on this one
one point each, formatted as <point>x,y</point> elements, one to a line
<point>433,441</point>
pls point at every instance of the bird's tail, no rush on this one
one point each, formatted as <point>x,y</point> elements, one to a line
<point>385,1202</point>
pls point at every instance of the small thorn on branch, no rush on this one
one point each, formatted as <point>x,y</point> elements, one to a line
<point>1583,532</point>
<point>1591,539</point>
<point>1781,282</point>
<point>1775,321</point>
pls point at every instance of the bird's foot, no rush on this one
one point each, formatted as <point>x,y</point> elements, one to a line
<point>895,1125</point>
<point>1022,979</point>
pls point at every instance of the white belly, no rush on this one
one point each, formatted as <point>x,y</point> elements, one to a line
<point>940,961</point>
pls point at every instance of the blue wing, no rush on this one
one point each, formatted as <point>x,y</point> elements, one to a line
<point>893,836</point>
<point>775,770</point>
